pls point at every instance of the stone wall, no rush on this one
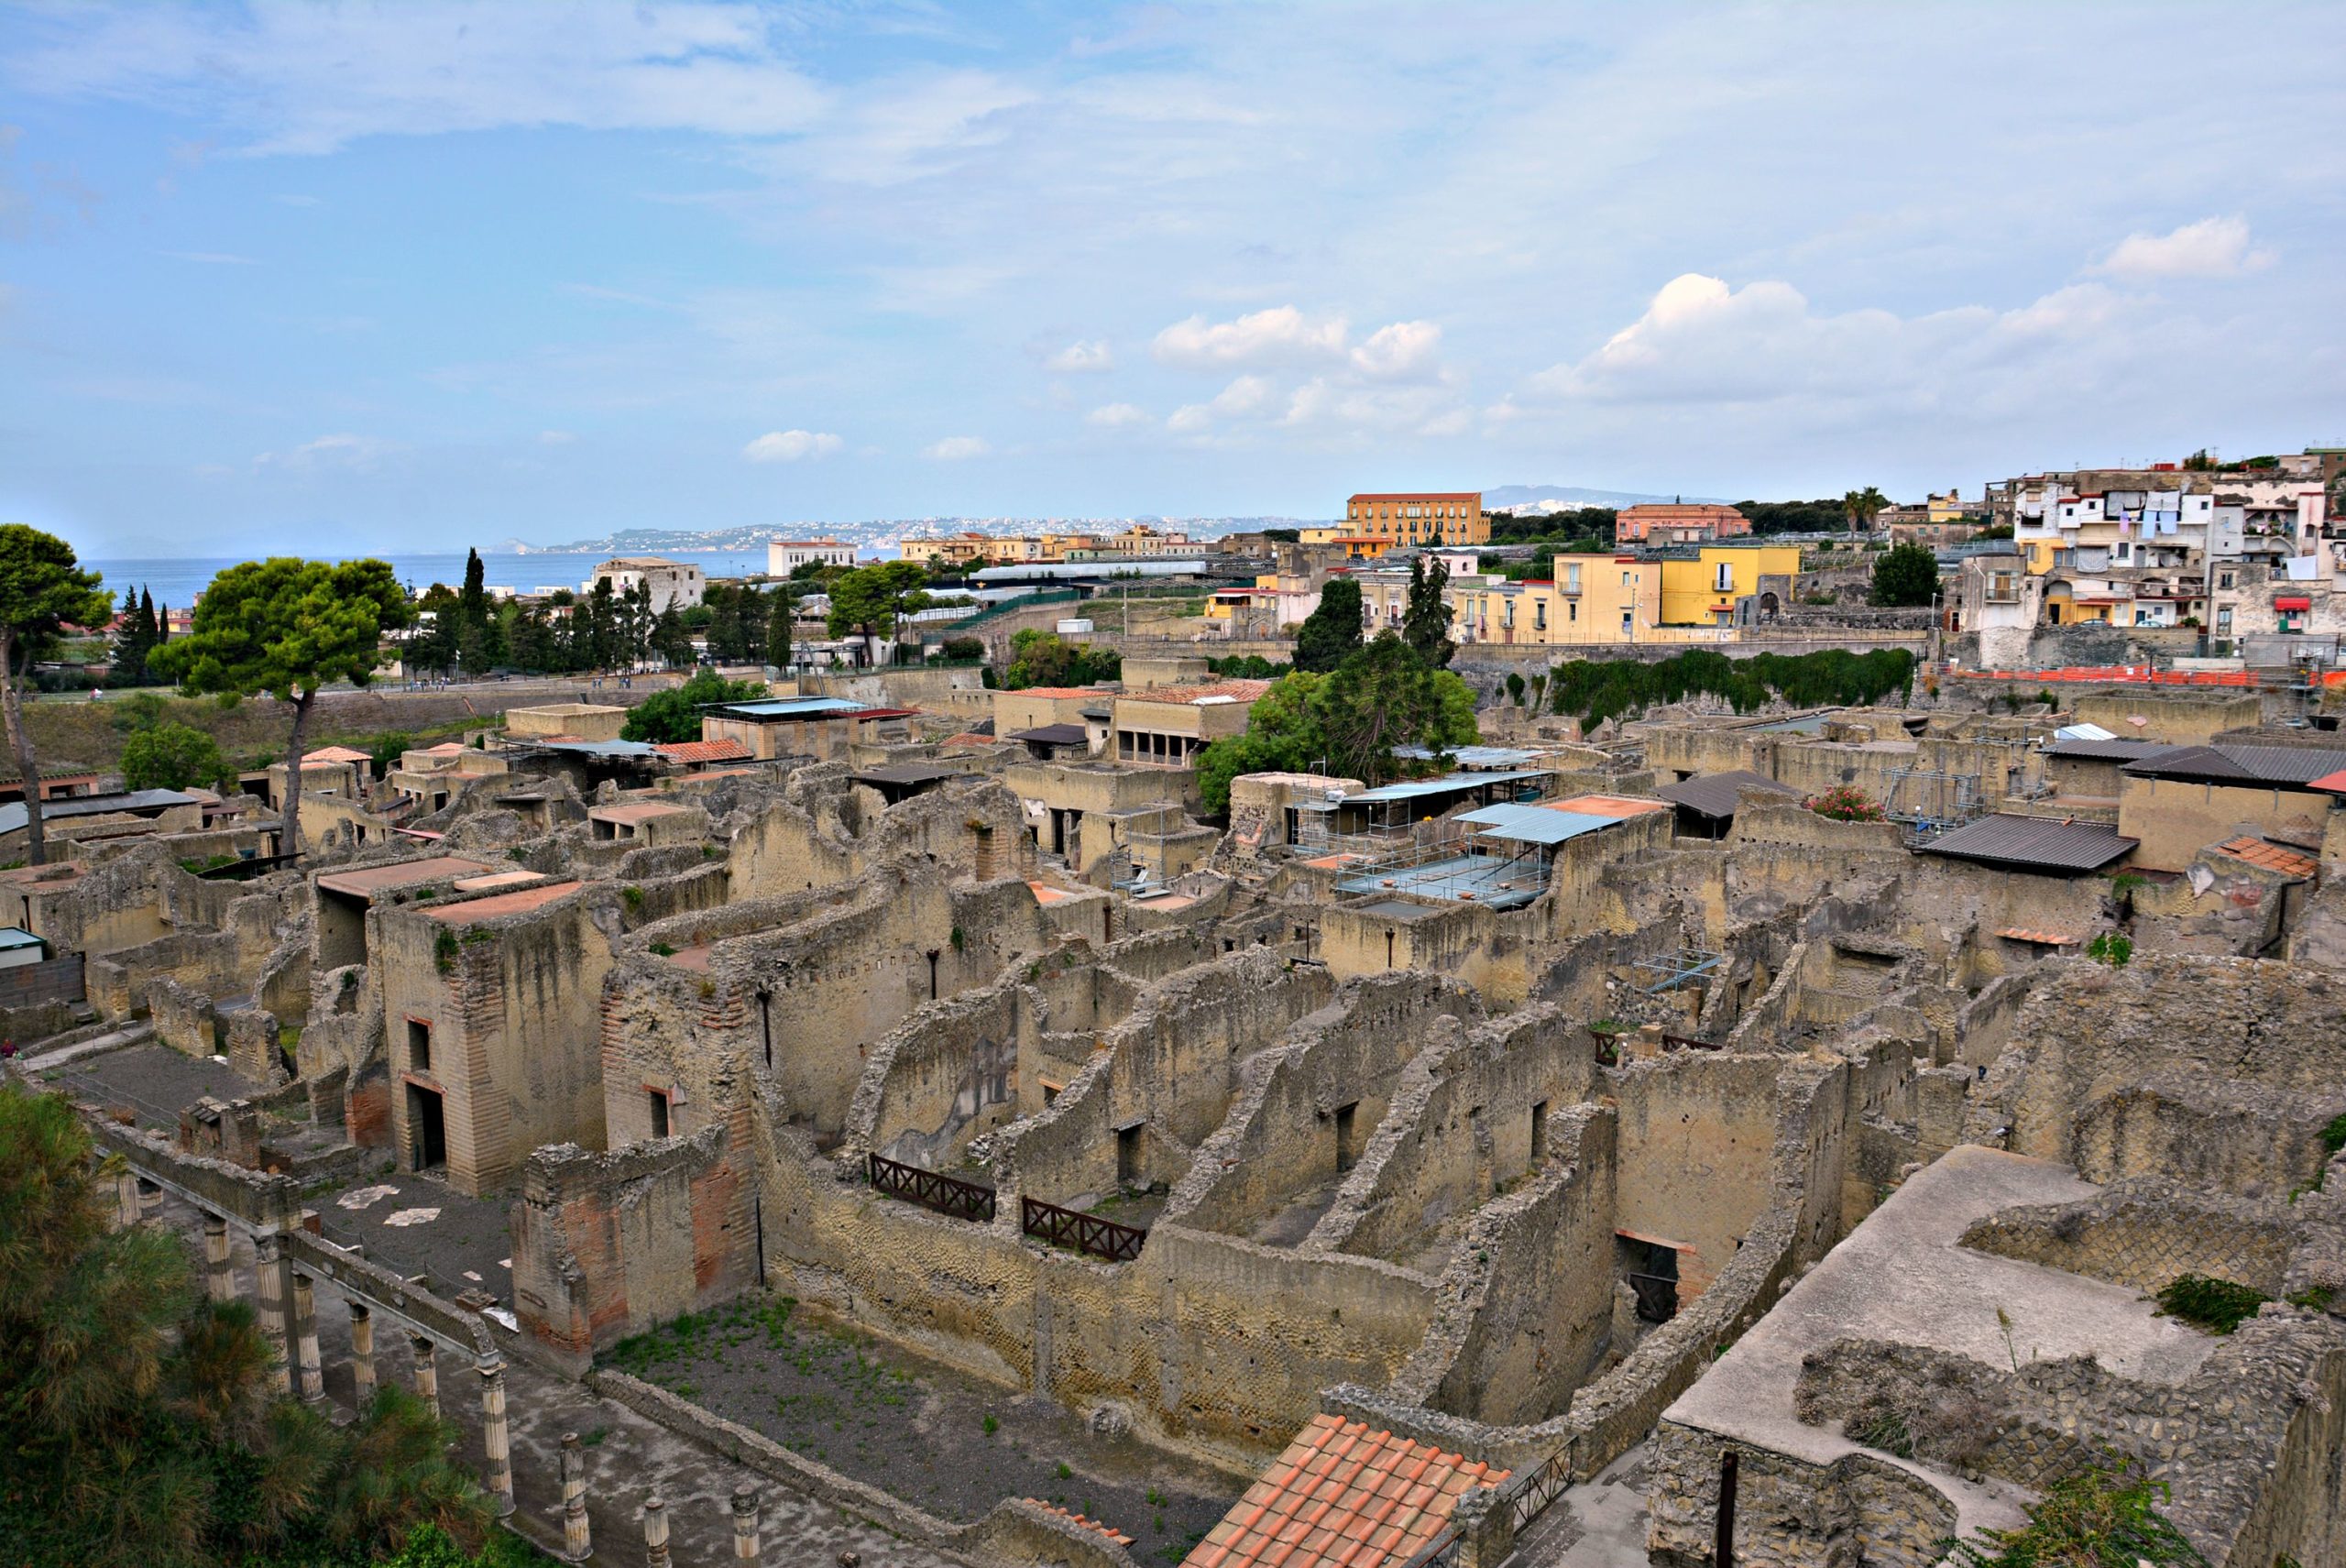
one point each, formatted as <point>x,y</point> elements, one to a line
<point>2146,1231</point>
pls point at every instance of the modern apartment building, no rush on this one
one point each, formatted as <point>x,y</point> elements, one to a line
<point>785,556</point>
<point>1424,518</point>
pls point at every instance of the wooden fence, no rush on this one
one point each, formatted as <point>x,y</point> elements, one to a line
<point>52,979</point>
<point>946,1194</point>
<point>1085,1232</point>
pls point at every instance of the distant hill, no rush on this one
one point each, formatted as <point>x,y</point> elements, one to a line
<point>1571,496</point>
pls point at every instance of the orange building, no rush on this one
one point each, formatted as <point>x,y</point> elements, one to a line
<point>1679,523</point>
<point>1432,517</point>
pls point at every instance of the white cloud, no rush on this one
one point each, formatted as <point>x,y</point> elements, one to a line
<point>792,445</point>
<point>954,448</point>
<point>309,79</point>
<point>344,451</point>
<point>1282,336</point>
<point>1116,415</point>
<point>555,438</point>
<point>1401,352</point>
<point>1246,397</point>
<point>2213,248</point>
<point>1079,357</point>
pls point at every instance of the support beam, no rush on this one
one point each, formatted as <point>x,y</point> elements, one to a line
<point>745,1526</point>
<point>494,1438</point>
<point>577,1537</point>
<point>126,1200</point>
<point>427,1372</point>
<point>362,1353</point>
<point>219,1270</point>
<point>273,1288</point>
<point>310,1368</point>
<point>655,1534</point>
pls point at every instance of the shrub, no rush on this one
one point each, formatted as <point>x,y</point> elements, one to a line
<point>2112,948</point>
<point>2218,1306</point>
<point>1846,803</point>
<point>2105,1516</point>
<point>444,949</point>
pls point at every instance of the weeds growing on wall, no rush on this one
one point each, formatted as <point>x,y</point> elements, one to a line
<point>2218,1306</point>
<point>1597,691</point>
<point>2106,1517</point>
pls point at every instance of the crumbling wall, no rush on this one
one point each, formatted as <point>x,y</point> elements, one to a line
<point>2146,1231</point>
<point>953,1070</point>
<point>1695,1130</point>
<point>606,1244</point>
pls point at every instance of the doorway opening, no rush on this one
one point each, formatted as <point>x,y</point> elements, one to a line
<point>427,1125</point>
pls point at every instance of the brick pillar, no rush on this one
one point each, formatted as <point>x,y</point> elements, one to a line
<point>577,1542</point>
<point>427,1372</point>
<point>362,1353</point>
<point>1486,1526</point>
<point>655,1534</point>
<point>494,1437</point>
<point>745,1526</point>
<point>268,1299</point>
<point>312,1381</point>
<point>219,1273</point>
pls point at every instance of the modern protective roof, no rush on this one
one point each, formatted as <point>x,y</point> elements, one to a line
<point>2110,748</point>
<point>1343,1496</point>
<point>1717,794</point>
<point>787,708</point>
<point>368,880</point>
<point>17,936</point>
<point>1050,735</point>
<point>137,802</point>
<point>909,773</point>
<point>1619,805</point>
<point>2289,766</point>
<point>1472,757</point>
<point>2034,843</point>
<point>518,903</point>
<point>1536,825</point>
<point>607,750</point>
<point>634,811</point>
<point>1238,690</point>
<point>1449,783</point>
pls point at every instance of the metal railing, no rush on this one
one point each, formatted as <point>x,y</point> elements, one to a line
<point>945,1194</point>
<point>1084,1232</point>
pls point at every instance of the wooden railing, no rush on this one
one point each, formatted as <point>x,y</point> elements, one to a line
<point>945,1194</point>
<point>1085,1232</point>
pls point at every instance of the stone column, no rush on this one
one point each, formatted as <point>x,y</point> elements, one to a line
<point>310,1373</point>
<point>219,1270</point>
<point>1486,1525</point>
<point>362,1353</point>
<point>427,1372</point>
<point>578,1541</point>
<point>494,1437</point>
<point>745,1525</point>
<point>655,1534</point>
<point>268,1248</point>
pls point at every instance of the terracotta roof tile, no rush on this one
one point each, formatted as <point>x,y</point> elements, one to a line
<point>2043,939</point>
<point>1342,1497</point>
<point>703,751</point>
<point>1235,690</point>
<point>2271,857</point>
<point>1117,1536</point>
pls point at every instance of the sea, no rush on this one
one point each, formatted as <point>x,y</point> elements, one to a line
<point>176,581</point>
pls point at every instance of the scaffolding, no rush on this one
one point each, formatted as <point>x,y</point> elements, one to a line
<point>1927,801</point>
<point>1689,964</point>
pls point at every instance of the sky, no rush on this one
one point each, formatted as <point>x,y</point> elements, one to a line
<point>422,274</point>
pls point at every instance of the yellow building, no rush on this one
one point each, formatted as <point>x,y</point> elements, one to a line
<point>1433,517</point>
<point>1591,598</point>
<point>1702,591</point>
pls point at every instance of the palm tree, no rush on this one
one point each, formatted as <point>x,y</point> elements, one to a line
<point>1861,506</point>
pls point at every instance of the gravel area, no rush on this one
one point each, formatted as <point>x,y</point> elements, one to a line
<point>154,1081</point>
<point>936,1438</point>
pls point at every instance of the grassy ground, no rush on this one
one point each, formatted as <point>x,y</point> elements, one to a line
<point>934,1437</point>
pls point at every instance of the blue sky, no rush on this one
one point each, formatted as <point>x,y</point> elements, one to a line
<point>422,274</point>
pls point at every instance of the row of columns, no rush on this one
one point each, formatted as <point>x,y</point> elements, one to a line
<point>286,1303</point>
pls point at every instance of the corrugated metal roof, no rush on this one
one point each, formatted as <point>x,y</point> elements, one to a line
<point>2245,764</point>
<point>1716,794</point>
<point>2109,751</point>
<point>137,801</point>
<point>788,707</point>
<point>1530,825</point>
<point>2037,843</point>
<point>1449,783</point>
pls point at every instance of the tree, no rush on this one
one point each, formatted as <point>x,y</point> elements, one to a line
<point>1906,574</point>
<point>1331,632</point>
<point>477,644</point>
<point>672,716</point>
<point>287,626</point>
<point>1282,736</point>
<point>779,609</point>
<point>1861,506</point>
<point>42,588</point>
<point>1040,658</point>
<point>134,638</point>
<point>1386,697</point>
<point>139,1425</point>
<point>868,600</point>
<point>171,756</point>
<point>1425,622</point>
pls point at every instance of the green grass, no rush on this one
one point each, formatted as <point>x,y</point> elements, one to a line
<point>2107,1517</point>
<point>2218,1306</point>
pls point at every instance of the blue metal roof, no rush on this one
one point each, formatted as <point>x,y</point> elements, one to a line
<point>790,707</point>
<point>1537,824</point>
<point>600,747</point>
<point>1477,756</point>
<point>1449,784</point>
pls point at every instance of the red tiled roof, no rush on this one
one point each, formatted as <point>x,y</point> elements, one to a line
<point>1342,1497</point>
<point>368,880</point>
<point>1117,1536</point>
<point>2043,939</point>
<point>703,751</point>
<point>635,812</point>
<point>2330,784</point>
<point>336,754</point>
<point>864,715</point>
<point>2271,857</point>
<point>1236,690</point>
<point>519,903</point>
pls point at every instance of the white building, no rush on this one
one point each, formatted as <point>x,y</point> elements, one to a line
<point>785,556</point>
<point>673,584</point>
